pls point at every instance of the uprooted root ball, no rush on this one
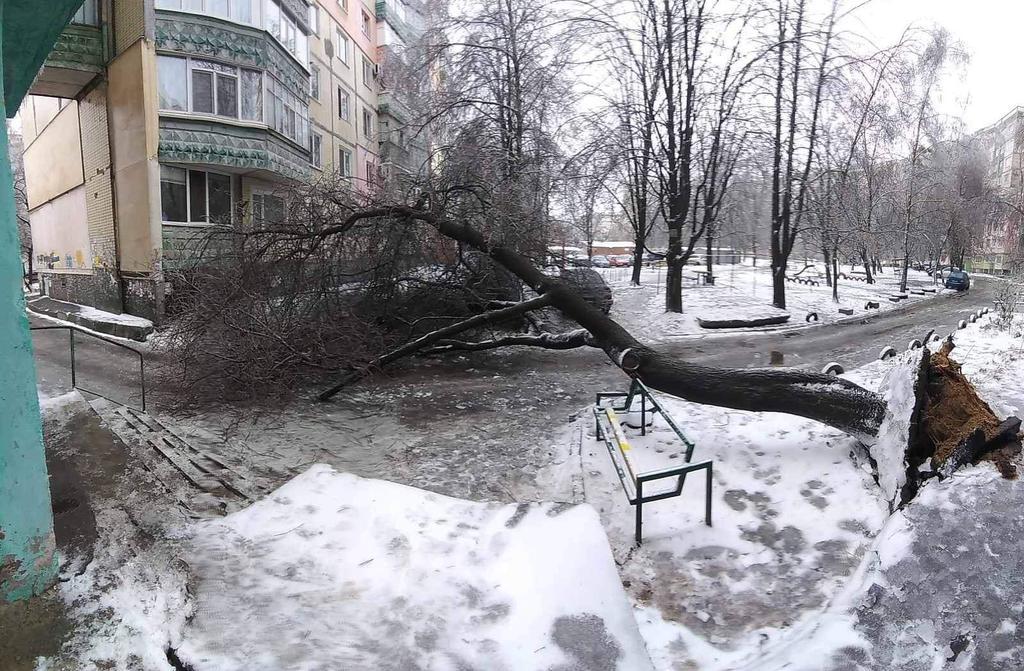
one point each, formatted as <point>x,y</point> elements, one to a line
<point>953,411</point>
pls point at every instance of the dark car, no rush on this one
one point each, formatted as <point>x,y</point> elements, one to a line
<point>958,280</point>
<point>600,261</point>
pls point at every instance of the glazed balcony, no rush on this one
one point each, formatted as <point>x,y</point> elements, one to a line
<point>76,58</point>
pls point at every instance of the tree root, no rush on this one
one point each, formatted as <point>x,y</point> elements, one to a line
<point>957,426</point>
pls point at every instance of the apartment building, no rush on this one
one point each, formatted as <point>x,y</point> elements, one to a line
<point>343,90</point>
<point>1003,146</point>
<point>151,120</point>
<point>403,144</point>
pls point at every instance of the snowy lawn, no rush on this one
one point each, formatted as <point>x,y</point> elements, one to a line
<point>741,291</point>
<point>334,571</point>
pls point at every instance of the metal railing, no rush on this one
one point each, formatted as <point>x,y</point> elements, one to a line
<point>618,449</point>
<point>72,330</point>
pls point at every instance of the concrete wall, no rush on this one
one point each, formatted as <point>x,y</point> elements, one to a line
<point>131,108</point>
<point>60,233</point>
<point>53,160</point>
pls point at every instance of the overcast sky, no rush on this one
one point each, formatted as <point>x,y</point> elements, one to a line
<point>989,29</point>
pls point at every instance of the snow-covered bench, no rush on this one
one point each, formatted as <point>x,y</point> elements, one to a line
<point>608,426</point>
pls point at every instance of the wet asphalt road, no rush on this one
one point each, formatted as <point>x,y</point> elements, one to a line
<point>851,343</point>
<point>113,372</point>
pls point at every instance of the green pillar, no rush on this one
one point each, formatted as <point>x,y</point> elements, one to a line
<point>28,558</point>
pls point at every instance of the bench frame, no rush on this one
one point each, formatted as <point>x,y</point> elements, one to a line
<point>618,449</point>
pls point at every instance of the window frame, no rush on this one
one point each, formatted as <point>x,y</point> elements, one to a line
<point>342,48</point>
<point>193,64</point>
<point>188,196</point>
<point>316,158</point>
<point>314,81</point>
<point>205,10</point>
<point>347,117</point>
<point>365,23</point>
<point>367,124</point>
<point>345,161</point>
<point>367,78</point>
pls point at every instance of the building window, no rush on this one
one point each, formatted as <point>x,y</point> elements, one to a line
<point>371,172</point>
<point>316,149</point>
<point>367,73</point>
<point>208,87</point>
<point>194,196</point>
<point>286,31</point>
<point>287,113</point>
<point>267,209</point>
<point>314,19</point>
<point>314,82</point>
<point>342,40</point>
<point>344,162</point>
<point>367,124</point>
<point>343,4</point>
<point>239,11</point>
<point>172,83</point>
<point>366,24</point>
<point>252,95</point>
<point>344,104</point>
<point>87,14</point>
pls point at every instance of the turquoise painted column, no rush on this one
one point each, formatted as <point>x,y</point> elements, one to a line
<point>28,558</point>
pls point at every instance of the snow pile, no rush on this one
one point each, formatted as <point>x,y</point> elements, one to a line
<point>889,448</point>
<point>734,311</point>
<point>335,571</point>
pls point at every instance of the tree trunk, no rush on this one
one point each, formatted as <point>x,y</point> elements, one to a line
<point>828,266</point>
<point>674,274</point>
<point>835,274</point>
<point>638,258</point>
<point>779,285</point>
<point>867,266</point>
<point>708,262</point>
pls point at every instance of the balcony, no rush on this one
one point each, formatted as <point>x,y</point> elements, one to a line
<point>405,29</point>
<point>76,58</point>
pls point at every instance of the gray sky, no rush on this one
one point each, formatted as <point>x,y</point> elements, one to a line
<point>991,32</point>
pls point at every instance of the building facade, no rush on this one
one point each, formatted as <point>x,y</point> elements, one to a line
<point>1002,144</point>
<point>153,119</point>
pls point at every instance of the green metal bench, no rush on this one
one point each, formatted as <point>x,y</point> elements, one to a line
<point>609,429</point>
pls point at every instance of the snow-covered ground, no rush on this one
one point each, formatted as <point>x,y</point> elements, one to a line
<point>742,291</point>
<point>801,533</point>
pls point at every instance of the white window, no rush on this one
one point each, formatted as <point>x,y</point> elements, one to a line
<point>367,73</point>
<point>366,24</point>
<point>344,162</point>
<point>287,113</point>
<point>267,209</point>
<point>314,19</point>
<point>342,45</point>
<point>172,82</point>
<point>239,11</point>
<point>314,82</point>
<point>343,4</point>
<point>367,124</point>
<point>194,196</point>
<point>316,149</point>
<point>209,87</point>
<point>286,31</point>
<point>344,104</point>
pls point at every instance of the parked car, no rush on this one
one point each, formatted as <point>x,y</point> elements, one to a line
<point>580,261</point>
<point>621,260</point>
<point>600,261</point>
<point>959,280</point>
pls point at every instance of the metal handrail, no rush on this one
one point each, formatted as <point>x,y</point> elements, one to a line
<point>71,343</point>
<point>617,445</point>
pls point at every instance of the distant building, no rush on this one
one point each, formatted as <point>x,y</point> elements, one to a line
<point>1003,145</point>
